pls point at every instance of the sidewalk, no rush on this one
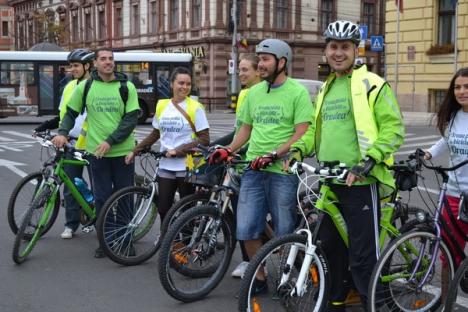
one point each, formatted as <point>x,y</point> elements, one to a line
<point>419,119</point>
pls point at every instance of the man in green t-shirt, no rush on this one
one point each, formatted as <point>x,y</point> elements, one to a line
<point>275,114</point>
<point>110,128</point>
<point>357,122</point>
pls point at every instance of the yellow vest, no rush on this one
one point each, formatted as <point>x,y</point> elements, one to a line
<point>66,96</point>
<point>240,99</point>
<point>192,107</point>
<point>362,82</point>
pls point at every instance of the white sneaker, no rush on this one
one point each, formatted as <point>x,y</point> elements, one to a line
<point>240,269</point>
<point>67,233</point>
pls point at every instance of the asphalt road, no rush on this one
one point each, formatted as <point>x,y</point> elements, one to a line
<point>62,275</point>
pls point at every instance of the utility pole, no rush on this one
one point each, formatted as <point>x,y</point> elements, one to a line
<point>234,55</point>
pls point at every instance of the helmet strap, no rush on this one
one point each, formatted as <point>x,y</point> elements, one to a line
<point>275,75</point>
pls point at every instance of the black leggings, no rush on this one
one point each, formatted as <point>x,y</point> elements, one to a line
<point>167,189</point>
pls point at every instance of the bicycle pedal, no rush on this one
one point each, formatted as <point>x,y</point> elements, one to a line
<point>87,229</point>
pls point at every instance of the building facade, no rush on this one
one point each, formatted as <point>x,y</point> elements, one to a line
<point>429,31</point>
<point>6,26</point>
<point>201,27</point>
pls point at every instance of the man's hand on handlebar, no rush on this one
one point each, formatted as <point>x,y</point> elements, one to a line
<point>59,141</point>
<point>219,155</point>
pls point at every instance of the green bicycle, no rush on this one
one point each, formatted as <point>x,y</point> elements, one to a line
<point>296,268</point>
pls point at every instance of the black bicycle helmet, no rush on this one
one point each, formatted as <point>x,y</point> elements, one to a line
<point>343,30</point>
<point>82,56</point>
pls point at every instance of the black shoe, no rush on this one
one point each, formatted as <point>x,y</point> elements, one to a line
<point>99,253</point>
<point>335,307</point>
<point>259,287</point>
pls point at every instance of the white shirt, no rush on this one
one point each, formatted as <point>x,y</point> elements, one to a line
<point>456,142</point>
<point>76,130</point>
<point>175,131</point>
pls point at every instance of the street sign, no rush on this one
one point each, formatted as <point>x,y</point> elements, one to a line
<point>363,31</point>
<point>376,43</point>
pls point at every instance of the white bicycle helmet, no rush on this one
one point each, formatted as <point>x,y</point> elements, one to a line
<point>277,47</point>
<point>343,30</point>
<point>82,56</point>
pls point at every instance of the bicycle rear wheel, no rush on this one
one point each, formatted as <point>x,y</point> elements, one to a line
<point>457,298</point>
<point>21,199</point>
<point>281,277</point>
<point>128,226</point>
<point>195,253</point>
<point>395,281</point>
<point>32,224</point>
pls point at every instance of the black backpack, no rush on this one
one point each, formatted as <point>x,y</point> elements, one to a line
<point>123,90</point>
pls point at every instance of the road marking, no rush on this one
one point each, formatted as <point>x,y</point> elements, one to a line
<point>422,138</point>
<point>3,139</point>
<point>428,190</point>
<point>12,166</point>
<point>16,133</point>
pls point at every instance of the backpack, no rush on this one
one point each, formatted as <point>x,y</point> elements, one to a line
<point>123,90</point>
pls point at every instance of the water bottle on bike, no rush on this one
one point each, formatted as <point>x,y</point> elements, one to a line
<point>84,190</point>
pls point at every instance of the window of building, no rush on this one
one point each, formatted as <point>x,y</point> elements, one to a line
<point>438,97</point>
<point>282,12</point>
<point>196,13</point>
<point>446,22</point>
<point>326,13</point>
<point>30,33</point>
<point>5,29</point>
<point>50,26</point>
<point>135,19</point>
<point>153,16</point>
<point>174,21</point>
<point>88,25</point>
<point>368,16</point>
<point>118,23</point>
<point>75,27</point>
<point>102,23</point>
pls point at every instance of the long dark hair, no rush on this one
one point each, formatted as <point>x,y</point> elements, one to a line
<point>449,106</point>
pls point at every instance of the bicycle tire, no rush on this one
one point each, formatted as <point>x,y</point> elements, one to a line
<point>21,199</point>
<point>275,269</point>
<point>124,241</point>
<point>30,236</point>
<point>459,284</point>
<point>383,294</point>
<point>181,206</point>
<point>177,256</point>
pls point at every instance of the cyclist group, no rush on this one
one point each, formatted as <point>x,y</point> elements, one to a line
<point>355,119</point>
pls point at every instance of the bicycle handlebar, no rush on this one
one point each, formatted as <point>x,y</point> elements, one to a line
<point>418,155</point>
<point>329,170</point>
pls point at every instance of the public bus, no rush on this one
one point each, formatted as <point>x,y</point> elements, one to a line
<point>31,83</point>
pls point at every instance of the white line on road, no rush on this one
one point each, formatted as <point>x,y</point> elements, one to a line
<point>3,139</point>
<point>428,190</point>
<point>422,138</point>
<point>12,166</point>
<point>28,136</point>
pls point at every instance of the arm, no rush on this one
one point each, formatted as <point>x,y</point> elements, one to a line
<point>68,121</point>
<point>203,138</point>
<point>48,124</point>
<point>300,130</point>
<point>125,128</point>
<point>148,141</point>
<point>440,147</point>
<point>391,131</point>
<point>241,138</point>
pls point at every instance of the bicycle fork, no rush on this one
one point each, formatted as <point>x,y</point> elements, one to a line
<point>299,288</point>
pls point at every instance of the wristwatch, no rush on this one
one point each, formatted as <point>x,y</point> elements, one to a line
<point>274,154</point>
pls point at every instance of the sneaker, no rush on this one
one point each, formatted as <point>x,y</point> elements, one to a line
<point>240,269</point>
<point>99,253</point>
<point>87,229</point>
<point>259,287</point>
<point>67,233</point>
<point>353,297</point>
<point>335,307</point>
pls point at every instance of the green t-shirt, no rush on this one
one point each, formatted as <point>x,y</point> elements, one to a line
<point>338,139</point>
<point>273,117</point>
<point>105,110</point>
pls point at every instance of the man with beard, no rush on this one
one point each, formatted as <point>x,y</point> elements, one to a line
<point>275,114</point>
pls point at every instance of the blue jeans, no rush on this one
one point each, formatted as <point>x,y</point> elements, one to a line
<point>262,193</point>
<point>109,175</point>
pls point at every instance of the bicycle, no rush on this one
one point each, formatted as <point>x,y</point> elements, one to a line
<point>296,269</point>
<point>199,244</point>
<point>126,224</point>
<point>43,208</point>
<point>409,276</point>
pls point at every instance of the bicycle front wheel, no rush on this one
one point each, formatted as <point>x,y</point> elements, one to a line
<point>128,226</point>
<point>21,199</point>
<point>412,274</point>
<point>33,223</point>
<point>281,261</point>
<point>195,253</point>
<point>457,298</point>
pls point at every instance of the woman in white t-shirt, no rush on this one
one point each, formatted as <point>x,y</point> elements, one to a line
<point>180,124</point>
<point>452,122</point>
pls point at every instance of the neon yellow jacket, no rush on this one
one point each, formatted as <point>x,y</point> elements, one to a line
<point>66,96</point>
<point>379,125</point>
